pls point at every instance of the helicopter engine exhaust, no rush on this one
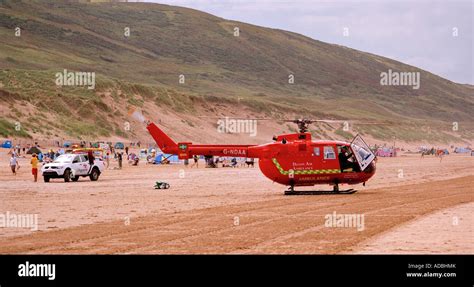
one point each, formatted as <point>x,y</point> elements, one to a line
<point>137,115</point>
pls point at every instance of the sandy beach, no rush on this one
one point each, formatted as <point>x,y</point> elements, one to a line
<point>238,210</point>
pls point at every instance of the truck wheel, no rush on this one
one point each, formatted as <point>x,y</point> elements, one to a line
<point>67,175</point>
<point>75,178</point>
<point>46,179</point>
<point>94,174</point>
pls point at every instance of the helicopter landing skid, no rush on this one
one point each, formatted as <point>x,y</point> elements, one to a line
<point>319,192</point>
<point>291,191</point>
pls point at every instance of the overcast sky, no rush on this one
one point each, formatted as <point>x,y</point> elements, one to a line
<point>434,35</point>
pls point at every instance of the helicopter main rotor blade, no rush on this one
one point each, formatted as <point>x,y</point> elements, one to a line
<point>235,118</point>
<point>303,120</point>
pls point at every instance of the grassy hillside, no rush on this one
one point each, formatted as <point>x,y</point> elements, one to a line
<point>219,68</point>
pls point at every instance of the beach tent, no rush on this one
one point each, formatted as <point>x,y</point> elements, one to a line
<point>34,150</point>
<point>7,144</point>
<point>119,145</point>
<point>171,158</point>
<point>143,153</point>
<point>104,146</point>
<point>67,144</point>
<point>158,159</point>
<point>462,150</point>
<point>386,152</point>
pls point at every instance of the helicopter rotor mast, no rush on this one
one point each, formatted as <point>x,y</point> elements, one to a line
<point>303,124</point>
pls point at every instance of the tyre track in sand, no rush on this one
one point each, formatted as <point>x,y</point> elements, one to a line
<point>285,225</point>
<point>75,236</point>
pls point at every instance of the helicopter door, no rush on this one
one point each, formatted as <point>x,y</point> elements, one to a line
<point>362,152</point>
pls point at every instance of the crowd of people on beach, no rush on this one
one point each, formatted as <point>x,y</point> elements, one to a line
<point>36,157</point>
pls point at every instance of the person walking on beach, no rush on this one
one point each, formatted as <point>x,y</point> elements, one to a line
<point>107,159</point>
<point>34,167</point>
<point>196,161</point>
<point>14,164</point>
<point>119,158</point>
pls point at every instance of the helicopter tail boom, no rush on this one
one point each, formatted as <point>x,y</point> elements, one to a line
<point>165,143</point>
<point>186,149</point>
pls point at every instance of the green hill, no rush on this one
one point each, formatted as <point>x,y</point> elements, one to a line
<point>220,68</point>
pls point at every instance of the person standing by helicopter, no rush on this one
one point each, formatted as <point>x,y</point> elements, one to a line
<point>344,159</point>
<point>196,161</point>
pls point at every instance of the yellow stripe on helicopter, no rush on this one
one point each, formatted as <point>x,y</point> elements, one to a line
<point>309,171</point>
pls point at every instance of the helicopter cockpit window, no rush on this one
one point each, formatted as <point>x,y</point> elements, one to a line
<point>329,152</point>
<point>316,151</point>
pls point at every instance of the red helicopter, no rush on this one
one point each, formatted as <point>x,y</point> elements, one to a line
<point>291,159</point>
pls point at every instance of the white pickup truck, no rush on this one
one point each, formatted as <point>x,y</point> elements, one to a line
<point>71,167</point>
